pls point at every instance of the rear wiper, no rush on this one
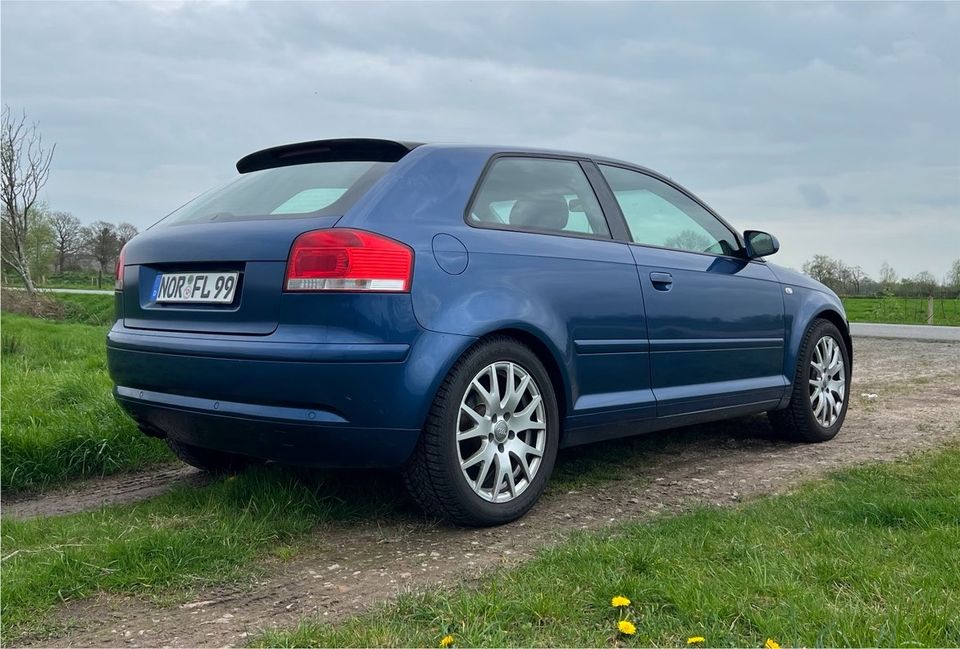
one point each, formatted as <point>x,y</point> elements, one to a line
<point>217,215</point>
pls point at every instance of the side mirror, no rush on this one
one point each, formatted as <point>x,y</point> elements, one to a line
<point>760,244</point>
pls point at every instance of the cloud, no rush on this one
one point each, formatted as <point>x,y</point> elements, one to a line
<point>813,194</point>
<point>767,110</point>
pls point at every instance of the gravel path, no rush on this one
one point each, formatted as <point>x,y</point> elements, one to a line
<point>353,566</point>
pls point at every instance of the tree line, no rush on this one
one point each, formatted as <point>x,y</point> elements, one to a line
<point>852,280</point>
<point>36,241</point>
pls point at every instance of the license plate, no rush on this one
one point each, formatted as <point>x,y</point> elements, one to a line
<point>195,288</point>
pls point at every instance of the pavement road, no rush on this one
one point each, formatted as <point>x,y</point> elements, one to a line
<point>911,332</point>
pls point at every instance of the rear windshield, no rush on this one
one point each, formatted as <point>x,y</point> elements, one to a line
<point>316,189</point>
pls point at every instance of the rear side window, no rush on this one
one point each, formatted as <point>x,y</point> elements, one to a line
<point>315,189</point>
<point>660,215</point>
<point>538,195</point>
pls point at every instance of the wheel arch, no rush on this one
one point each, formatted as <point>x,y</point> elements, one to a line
<point>841,324</point>
<point>545,354</point>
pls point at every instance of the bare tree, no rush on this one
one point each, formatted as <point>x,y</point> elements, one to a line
<point>24,168</point>
<point>888,277</point>
<point>952,279</point>
<point>67,237</point>
<point>100,242</point>
<point>125,232</point>
<point>925,283</point>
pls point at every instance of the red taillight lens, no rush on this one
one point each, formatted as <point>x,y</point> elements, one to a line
<point>118,281</point>
<point>348,260</point>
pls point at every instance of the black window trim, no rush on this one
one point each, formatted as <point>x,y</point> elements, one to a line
<point>656,176</point>
<point>584,163</point>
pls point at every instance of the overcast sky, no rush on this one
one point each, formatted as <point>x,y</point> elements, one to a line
<point>836,127</point>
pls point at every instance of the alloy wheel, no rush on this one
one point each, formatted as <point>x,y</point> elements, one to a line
<point>827,381</point>
<point>501,431</point>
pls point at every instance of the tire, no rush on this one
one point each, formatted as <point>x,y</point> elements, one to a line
<point>207,459</point>
<point>801,420</point>
<point>467,495</point>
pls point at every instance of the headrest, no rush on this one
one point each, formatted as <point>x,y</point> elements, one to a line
<point>542,212</point>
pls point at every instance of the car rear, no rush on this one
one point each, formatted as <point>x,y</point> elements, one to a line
<point>249,323</point>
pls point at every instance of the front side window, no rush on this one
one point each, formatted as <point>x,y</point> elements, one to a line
<point>539,195</point>
<point>315,189</point>
<point>659,215</point>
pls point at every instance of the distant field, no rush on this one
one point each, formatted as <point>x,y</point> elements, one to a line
<point>901,310</point>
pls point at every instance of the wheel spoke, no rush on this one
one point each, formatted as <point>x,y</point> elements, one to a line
<point>484,394</point>
<point>477,431</point>
<point>524,465</point>
<point>527,449</point>
<point>473,414</point>
<point>482,476</point>
<point>495,394</point>
<point>476,457</point>
<point>513,398</point>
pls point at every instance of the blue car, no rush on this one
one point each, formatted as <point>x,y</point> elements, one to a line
<point>461,313</point>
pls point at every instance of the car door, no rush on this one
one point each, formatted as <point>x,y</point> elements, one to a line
<point>541,250</point>
<point>715,319</point>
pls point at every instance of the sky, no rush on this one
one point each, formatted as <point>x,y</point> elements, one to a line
<point>834,126</point>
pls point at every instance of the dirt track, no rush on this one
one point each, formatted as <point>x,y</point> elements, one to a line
<point>354,566</point>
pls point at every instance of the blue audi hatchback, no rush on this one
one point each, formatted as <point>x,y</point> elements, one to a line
<point>459,312</point>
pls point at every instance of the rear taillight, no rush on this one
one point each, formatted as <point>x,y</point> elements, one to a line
<point>348,260</point>
<point>118,282</point>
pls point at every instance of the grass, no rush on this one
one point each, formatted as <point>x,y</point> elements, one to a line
<point>186,539</point>
<point>59,417</point>
<point>866,558</point>
<point>899,310</point>
<point>87,309</point>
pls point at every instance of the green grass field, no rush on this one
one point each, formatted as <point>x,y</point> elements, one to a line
<point>900,310</point>
<point>866,558</point>
<point>59,417</point>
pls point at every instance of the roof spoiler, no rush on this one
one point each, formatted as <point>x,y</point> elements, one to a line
<point>342,150</point>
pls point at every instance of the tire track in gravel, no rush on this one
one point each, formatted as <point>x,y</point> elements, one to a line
<point>354,566</point>
<point>93,493</point>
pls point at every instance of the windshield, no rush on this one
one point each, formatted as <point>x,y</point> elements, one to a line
<point>316,189</point>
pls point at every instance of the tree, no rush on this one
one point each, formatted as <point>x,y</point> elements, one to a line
<point>125,232</point>
<point>888,277</point>
<point>24,169</point>
<point>100,242</point>
<point>67,237</point>
<point>826,270</point>
<point>857,276</point>
<point>924,282</point>
<point>953,276</point>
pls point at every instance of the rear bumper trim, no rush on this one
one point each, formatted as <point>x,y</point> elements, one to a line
<point>230,408</point>
<point>248,348</point>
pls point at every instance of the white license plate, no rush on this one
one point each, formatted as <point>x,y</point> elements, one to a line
<point>195,288</point>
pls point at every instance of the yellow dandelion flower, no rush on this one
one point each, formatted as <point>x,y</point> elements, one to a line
<point>446,641</point>
<point>771,644</point>
<point>697,639</point>
<point>619,601</point>
<point>626,627</point>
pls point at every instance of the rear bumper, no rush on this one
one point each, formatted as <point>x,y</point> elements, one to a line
<point>292,401</point>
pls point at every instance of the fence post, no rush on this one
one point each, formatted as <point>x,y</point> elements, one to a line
<point>930,309</point>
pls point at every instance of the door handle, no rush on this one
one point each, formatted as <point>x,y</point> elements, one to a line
<point>661,281</point>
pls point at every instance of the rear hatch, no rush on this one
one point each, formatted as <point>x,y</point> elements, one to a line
<point>176,274</point>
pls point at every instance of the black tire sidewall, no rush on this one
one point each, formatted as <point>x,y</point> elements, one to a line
<point>482,356</point>
<point>821,329</point>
